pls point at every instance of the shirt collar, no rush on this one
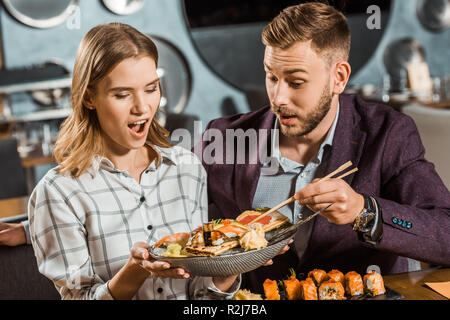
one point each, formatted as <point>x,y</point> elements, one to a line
<point>162,154</point>
<point>328,139</point>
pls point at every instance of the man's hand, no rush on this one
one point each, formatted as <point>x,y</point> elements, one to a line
<point>347,203</point>
<point>12,234</point>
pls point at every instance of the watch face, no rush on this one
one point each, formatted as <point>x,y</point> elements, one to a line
<point>366,221</point>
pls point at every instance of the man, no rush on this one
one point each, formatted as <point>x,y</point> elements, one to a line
<point>394,207</point>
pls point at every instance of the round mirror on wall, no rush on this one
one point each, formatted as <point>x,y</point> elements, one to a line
<point>123,7</point>
<point>175,78</point>
<point>41,13</point>
<point>227,34</point>
<point>434,15</point>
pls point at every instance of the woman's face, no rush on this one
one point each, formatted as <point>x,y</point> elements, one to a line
<point>126,101</point>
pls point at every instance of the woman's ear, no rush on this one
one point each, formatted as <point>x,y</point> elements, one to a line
<point>88,100</point>
<point>341,76</point>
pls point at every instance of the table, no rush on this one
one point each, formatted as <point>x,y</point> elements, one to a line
<point>37,157</point>
<point>412,284</point>
<point>13,207</point>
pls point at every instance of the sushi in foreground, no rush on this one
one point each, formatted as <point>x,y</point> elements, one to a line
<point>308,290</point>
<point>317,275</point>
<point>353,284</point>
<point>331,290</point>
<point>373,284</point>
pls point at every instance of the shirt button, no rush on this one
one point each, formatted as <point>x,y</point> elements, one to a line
<point>160,290</point>
<point>142,199</point>
<point>149,227</point>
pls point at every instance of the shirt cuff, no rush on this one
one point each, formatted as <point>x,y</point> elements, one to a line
<point>26,226</point>
<point>213,290</point>
<point>102,292</point>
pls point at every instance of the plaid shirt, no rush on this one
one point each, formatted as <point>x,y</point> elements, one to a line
<point>82,229</point>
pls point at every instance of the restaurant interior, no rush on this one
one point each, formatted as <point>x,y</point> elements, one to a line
<point>210,66</point>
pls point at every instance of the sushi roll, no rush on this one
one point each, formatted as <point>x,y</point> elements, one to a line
<point>373,284</point>
<point>336,275</point>
<point>353,284</point>
<point>292,286</point>
<point>308,290</point>
<point>271,290</point>
<point>317,275</point>
<point>331,290</point>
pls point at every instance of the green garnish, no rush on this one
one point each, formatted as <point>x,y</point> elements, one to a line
<point>262,209</point>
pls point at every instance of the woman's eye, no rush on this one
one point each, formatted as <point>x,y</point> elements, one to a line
<point>151,90</point>
<point>272,79</point>
<point>120,96</point>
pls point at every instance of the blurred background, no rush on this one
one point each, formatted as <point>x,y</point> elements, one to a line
<point>211,66</point>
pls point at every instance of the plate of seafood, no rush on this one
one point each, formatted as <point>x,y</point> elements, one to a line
<point>226,247</point>
<point>321,285</point>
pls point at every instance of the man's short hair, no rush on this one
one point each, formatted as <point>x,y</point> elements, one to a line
<point>324,25</point>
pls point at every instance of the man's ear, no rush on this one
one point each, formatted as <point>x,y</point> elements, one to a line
<point>88,100</point>
<point>342,73</point>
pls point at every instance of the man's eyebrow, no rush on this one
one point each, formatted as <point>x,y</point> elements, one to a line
<point>290,71</point>
<point>129,88</point>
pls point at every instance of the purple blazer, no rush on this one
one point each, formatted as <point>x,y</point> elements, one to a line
<point>385,146</point>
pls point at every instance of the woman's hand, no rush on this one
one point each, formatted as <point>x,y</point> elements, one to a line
<point>283,251</point>
<point>140,256</point>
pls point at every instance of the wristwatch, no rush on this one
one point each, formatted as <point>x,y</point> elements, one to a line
<point>365,220</point>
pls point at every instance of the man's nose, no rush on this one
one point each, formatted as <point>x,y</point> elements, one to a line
<point>280,94</point>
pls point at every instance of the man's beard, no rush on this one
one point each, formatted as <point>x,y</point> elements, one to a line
<point>309,122</point>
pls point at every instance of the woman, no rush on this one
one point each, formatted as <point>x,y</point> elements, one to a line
<point>120,184</point>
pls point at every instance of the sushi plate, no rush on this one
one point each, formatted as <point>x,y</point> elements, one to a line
<point>234,261</point>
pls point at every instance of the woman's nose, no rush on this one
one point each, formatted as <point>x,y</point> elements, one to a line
<point>140,104</point>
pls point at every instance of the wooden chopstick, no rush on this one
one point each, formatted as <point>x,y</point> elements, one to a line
<point>291,199</point>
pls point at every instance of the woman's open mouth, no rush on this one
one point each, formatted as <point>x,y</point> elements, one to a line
<point>138,128</point>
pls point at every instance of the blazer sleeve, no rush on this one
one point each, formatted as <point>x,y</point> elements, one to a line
<point>414,202</point>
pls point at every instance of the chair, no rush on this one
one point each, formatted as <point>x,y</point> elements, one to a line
<point>13,183</point>
<point>434,129</point>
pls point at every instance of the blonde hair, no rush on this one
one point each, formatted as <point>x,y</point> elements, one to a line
<point>323,25</point>
<point>101,49</point>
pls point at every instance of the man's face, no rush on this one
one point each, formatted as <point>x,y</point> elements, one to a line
<point>298,86</point>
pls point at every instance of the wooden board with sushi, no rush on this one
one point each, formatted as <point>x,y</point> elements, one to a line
<point>332,285</point>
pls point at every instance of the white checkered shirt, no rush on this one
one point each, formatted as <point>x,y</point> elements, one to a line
<point>82,229</point>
